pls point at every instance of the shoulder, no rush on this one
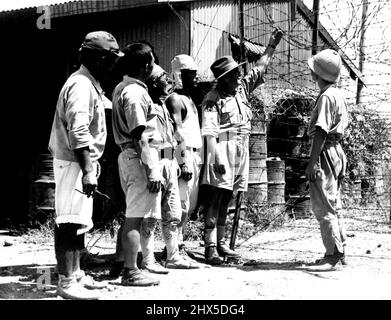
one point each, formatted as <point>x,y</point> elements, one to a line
<point>135,93</point>
<point>78,81</point>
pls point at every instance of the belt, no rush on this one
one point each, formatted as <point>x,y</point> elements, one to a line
<point>193,149</point>
<point>166,153</point>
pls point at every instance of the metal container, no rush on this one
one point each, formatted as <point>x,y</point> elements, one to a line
<point>257,193</point>
<point>300,206</point>
<point>275,170</point>
<point>276,193</point>
<point>257,146</point>
<point>257,171</point>
<point>43,189</point>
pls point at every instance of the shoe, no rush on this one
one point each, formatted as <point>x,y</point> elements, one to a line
<point>342,260</point>
<point>116,269</point>
<point>69,288</point>
<point>137,278</point>
<point>212,257</point>
<point>90,260</point>
<point>224,251</point>
<point>181,262</point>
<point>88,282</point>
<point>154,267</point>
<point>327,263</point>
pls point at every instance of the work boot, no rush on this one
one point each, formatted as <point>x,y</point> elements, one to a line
<point>116,269</point>
<point>69,288</point>
<point>342,259</point>
<point>224,251</point>
<point>328,263</point>
<point>212,257</point>
<point>88,282</point>
<point>154,267</point>
<point>182,262</point>
<point>137,278</point>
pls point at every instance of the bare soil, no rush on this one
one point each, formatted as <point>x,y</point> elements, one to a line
<point>273,266</point>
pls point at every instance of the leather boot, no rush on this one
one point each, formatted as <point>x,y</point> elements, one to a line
<point>212,257</point>
<point>222,248</point>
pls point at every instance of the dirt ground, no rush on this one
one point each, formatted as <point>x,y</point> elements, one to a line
<point>273,267</point>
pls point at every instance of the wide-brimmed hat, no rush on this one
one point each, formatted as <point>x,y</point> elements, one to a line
<point>224,65</point>
<point>326,64</point>
<point>101,40</point>
<point>181,62</point>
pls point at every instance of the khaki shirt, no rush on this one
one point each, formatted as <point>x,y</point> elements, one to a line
<point>330,113</point>
<point>223,113</point>
<point>79,120</point>
<point>133,108</point>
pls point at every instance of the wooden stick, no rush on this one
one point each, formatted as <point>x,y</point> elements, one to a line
<point>235,224</point>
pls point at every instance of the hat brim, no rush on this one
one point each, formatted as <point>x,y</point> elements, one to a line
<point>228,71</point>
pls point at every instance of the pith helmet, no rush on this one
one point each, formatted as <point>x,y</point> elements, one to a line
<point>181,62</point>
<point>326,64</point>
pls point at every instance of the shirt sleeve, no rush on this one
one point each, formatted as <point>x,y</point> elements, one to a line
<point>136,109</point>
<point>210,119</point>
<point>253,79</point>
<point>325,114</point>
<point>78,108</point>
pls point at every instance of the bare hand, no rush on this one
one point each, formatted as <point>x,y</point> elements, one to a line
<point>186,174</point>
<point>311,172</point>
<point>90,183</point>
<point>219,168</point>
<point>276,37</point>
<point>154,186</point>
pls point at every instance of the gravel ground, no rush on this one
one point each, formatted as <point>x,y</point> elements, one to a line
<point>272,267</point>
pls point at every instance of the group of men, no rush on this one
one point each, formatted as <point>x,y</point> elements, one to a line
<point>163,148</point>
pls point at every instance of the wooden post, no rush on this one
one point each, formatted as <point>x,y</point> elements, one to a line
<point>360,85</point>
<point>241,30</point>
<point>315,32</point>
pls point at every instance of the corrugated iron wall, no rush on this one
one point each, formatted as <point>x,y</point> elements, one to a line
<point>211,21</point>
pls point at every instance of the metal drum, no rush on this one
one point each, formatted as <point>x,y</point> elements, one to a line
<point>257,171</point>
<point>257,193</point>
<point>257,146</point>
<point>43,192</point>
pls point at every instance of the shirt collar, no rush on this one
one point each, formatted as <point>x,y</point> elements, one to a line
<point>130,80</point>
<point>85,72</point>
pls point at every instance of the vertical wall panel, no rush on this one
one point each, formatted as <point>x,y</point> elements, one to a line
<point>211,21</point>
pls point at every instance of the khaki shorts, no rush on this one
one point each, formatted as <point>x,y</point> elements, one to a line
<point>188,190</point>
<point>71,206</point>
<point>140,203</point>
<point>234,154</point>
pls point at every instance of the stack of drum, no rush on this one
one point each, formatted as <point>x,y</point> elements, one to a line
<point>43,183</point>
<point>288,140</point>
<point>257,185</point>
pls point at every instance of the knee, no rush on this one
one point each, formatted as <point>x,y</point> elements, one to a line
<point>210,222</point>
<point>148,226</point>
<point>66,237</point>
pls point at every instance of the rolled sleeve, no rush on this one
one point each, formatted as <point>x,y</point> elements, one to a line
<point>78,108</point>
<point>253,79</point>
<point>210,120</point>
<point>325,114</point>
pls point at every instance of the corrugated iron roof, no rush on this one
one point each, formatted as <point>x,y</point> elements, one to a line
<point>12,5</point>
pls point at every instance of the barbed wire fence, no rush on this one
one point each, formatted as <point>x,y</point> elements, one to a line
<point>367,142</point>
